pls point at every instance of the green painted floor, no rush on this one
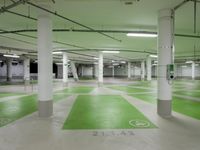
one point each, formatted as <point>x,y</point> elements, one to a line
<point>105,112</point>
<point>186,107</point>
<point>130,89</point>
<point>15,109</point>
<point>80,89</point>
<point>5,94</point>
<point>181,105</point>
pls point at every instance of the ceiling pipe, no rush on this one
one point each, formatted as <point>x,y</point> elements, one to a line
<point>75,22</point>
<point>181,4</point>
<point>17,49</point>
<point>14,4</point>
<point>33,37</point>
<point>21,15</point>
<point>106,31</point>
<point>195,16</point>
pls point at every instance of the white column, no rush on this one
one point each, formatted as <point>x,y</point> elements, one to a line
<point>193,70</point>
<point>113,71</point>
<point>165,57</point>
<point>100,76</point>
<point>129,70</point>
<point>74,71</point>
<point>27,71</point>
<point>45,69</point>
<point>82,70</point>
<point>148,68</point>
<point>9,69</point>
<point>65,69</point>
<point>96,71</point>
<point>142,70</point>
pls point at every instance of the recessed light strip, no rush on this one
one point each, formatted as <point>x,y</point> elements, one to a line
<point>11,56</point>
<point>142,35</point>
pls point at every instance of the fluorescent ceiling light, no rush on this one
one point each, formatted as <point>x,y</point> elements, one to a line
<point>58,52</point>
<point>123,62</point>
<point>184,66</point>
<point>142,34</point>
<point>95,58</point>
<point>11,56</point>
<point>59,63</point>
<point>189,62</point>
<point>116,64</point>
<point>154,56</point>
<point>111,52</point>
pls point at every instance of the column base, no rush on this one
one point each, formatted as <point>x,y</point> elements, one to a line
<point>45,108</point>
<point>75,79</point>
<point>100,84</point>
<point>27,82</point>
<point>9,79</point>
<point>164,108</point>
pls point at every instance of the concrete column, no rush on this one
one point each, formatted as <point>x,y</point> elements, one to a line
<point>65,69</point>
<point>148,68</point>
<point>27,71</point>
<point>96,71</point>
<point>74,71</point>
<point>142,70</point>
<point>113,71</point>
<point>45,69</point>
<point>193,70</point>
<point>165,56</point>
<point>9,69</point>
<point>82,70</point>
<point>100,75</point>
<point>129,70</point>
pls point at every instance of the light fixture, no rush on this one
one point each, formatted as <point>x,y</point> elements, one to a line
<point>115,64</point>
<point>57,52</point>
<point>11,55</point>
<point>123,62</point>
<point>184,66</point>
<point>1,61</point>
<point>111,52</point>
<point>59,63</point>
<point>142,34</point>
<point>154,56</point>
<point>189,62</point>
<point>95,58</point>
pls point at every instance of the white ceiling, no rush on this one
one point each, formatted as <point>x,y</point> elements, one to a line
<point>104,15</point>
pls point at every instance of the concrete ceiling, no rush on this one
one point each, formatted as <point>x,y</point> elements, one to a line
<point>104,15</point>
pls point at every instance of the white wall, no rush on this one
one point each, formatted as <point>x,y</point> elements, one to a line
<point>87,71</point>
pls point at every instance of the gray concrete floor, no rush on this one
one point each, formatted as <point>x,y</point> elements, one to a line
<point>34,133</point>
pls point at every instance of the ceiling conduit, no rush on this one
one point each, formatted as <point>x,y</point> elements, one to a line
<point>75,22</point>
<point>105,31</point>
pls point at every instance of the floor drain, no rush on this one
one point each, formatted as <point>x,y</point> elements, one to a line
<point>139,123</point>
